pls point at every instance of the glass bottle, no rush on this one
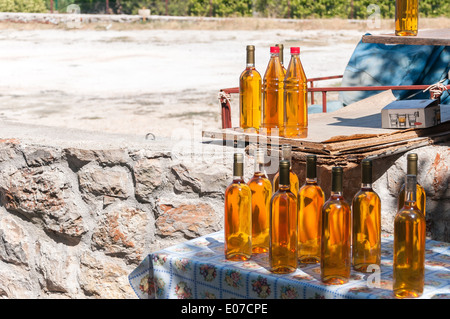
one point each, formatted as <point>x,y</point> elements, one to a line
<point>409,246</point>
<point>311,199</point>
<point>261,194</point>
<point>421,197</point>
<point>250,94</point>
<point>335,262</point>
<point>295,98</point>
<point>272,89</point>
<point>366,230</point>
<point>283,226</point>
<point>238,214</point>
<point>406,17</point>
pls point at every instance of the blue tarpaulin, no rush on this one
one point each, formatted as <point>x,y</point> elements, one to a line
<point>374,64</point>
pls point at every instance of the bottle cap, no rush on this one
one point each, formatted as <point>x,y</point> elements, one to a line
<point>238,165</point>
<point>412,164</point>
<point>311,161</point>
<point>284,172</point>
<point>274,50</point>
<point>366,168</point>
<point>336,179</point>
<point>295,50</point>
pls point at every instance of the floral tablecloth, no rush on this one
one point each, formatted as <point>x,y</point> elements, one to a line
<point>197,269</point>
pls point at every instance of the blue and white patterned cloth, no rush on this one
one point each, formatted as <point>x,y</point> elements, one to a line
<point>197,269</point>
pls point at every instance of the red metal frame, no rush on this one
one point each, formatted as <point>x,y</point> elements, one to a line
<point>224,94</point>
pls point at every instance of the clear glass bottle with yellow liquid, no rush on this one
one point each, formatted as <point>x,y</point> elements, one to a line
<point>311,200</point>
<point>409,246</point>
<point>366,230</point>
<point>406,17</point>
<point>261,194</point>
<point>250,94</point>
<point>295,98</point>
<point>272,88</point>
<point>283,226</point>
<point>238,214</point>
<point>335,257</point>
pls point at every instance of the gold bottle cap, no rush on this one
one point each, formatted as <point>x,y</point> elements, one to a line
<point>250,54</point>
<point>311,162</point>
<point>336,179</point>
<point>238,164</point>
<point>412,164</point>
<point>366,170</point>
<point>284,172</point>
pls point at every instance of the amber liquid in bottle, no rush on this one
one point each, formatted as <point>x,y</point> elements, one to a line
<point>335,262</point>
<point>261,194</point>
<point>272,89</point>
<point>421,197</point>
<point>295,98</point>
<point>286,154</point>
<point>238,215</point>
<point>409,246</point>
<point>311,199</point>
<point>283,226</point>
<point>366,230</point>
<point>406,17</point>
<point>250,95</point>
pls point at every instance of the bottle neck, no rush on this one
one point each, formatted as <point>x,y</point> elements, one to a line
<point>366,185</point>
<point>336,182</point>
<point>410,190</point>
<point>259,168</point>
<point>311,180</point>
<point>284,179</point>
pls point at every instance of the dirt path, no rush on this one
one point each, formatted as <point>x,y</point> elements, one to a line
<point>140,81</point>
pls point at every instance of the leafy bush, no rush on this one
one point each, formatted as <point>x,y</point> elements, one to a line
<point>297,9</point>
<point>22,6</point>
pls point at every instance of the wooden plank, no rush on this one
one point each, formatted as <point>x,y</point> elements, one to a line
<point>233,136</point>
<point>424,37</point>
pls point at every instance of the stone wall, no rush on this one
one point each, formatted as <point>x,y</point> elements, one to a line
<point>74,222</point>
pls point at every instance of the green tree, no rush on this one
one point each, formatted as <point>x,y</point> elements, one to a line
<point>36,6</point>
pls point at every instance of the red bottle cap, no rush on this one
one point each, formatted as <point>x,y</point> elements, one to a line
<point>295,50</point>
<point>274,50</point>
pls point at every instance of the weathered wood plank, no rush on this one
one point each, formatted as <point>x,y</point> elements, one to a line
<point>424,37</point>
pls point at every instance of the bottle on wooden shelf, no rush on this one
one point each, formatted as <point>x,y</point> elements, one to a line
<point>250,95</point>
<point>406,17</point>
<point>272,88</point>
<point>295,98</point>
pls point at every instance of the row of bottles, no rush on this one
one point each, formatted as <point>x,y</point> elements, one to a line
<point>277,103</point>
<point>296,225</point>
